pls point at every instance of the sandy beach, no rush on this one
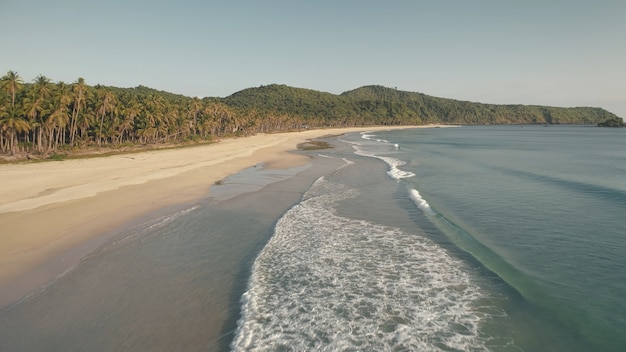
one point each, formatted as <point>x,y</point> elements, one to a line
<point>54,213</point>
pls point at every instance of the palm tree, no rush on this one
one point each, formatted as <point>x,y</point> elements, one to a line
<point>105,105</point>
<point>131,111</point>
<point>10,121</point>
<point>59,116</point>
<point>86,123</point>
<point>38,112</point>
<point>195,107</point>
<point>154,114</point>
<point>11,83</point>
<point>64,100</point>
<point>43,87</point>
<point>79,90</point>
<point>13,124</point>
<point>4,113</point>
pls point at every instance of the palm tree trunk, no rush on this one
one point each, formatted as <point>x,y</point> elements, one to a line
<point>73,125</point>
<point>40,139</point>
<point>100,133</point>
<point>50,139</point>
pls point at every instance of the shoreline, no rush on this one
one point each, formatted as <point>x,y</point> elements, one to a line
<point>54,214</point>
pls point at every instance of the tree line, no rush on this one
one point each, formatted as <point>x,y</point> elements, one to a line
<point>45,116</point>
<point>378,105</point>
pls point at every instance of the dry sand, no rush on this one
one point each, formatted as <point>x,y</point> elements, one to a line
<point>54,213</point>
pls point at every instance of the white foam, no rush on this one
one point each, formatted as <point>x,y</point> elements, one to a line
<point>347,162</point>
<point>394,172</point>
<point>372,137</point>
<point>325,282</point>
<point>376,152</point>
<point>162,221</point>
<point>420,202</point>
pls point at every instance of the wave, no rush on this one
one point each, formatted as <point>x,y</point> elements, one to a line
<point>326,282</point>
<point>164,220</point>
<point>420,202</point>
<point>347,162</point>
<point>372,137</point>
<point>458,235</point>
<point>607,193</point>
<point>147,229</point>
<point>364,149</point>
<point>559,297</point>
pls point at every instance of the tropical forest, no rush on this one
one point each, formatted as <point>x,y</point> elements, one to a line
<point>43,118</point>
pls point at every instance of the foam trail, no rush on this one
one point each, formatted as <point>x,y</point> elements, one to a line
<point>169,218</point>
<point>393,163</point>
<point>326,283</point>
<point>371,137</point>
<point>347,162</point>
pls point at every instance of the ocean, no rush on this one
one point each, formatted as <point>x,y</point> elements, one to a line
<point>481,238</point>
<point>492,238</point>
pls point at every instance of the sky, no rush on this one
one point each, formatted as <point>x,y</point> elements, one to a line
<point>539,52</point>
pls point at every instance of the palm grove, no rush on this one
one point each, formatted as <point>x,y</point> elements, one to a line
<point>45,117</point>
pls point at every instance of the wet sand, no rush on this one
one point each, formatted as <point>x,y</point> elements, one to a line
<point>53,214</point>
<point>171,281</point>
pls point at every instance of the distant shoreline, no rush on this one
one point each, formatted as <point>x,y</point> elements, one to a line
<point>55,213</point>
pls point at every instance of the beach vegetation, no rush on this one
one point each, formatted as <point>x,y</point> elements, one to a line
<point>613,122</point>
<point>43,117</point>
<point>57,157</point>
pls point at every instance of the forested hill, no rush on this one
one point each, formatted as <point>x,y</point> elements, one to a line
<point>49,117</point>
<point>381,105</point>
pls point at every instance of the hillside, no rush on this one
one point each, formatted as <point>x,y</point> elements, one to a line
<point>48,118</point>
<point>381,105</point>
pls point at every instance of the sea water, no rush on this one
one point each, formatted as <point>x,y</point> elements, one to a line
<point>454,239</point>
<point>492,238</point>
<point>169,281</point>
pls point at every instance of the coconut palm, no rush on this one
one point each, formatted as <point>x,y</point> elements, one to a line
<point>128,115</point>
<point>36,111</point>
<point>195,107</point>
<point>42,87</point>
<point>11,83</point>
<point>105,105</point>
<point>79,102</point>
<point>59,117</point>
<point>4,114</point>
<point>39,111</point>
<point>12,124</point>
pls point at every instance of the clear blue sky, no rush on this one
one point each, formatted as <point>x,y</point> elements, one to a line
<point>562,53</point>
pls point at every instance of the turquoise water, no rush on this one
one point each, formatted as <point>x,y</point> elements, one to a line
<point>474,238</point>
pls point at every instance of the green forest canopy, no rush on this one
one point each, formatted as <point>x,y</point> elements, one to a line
<point>44,116</point>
